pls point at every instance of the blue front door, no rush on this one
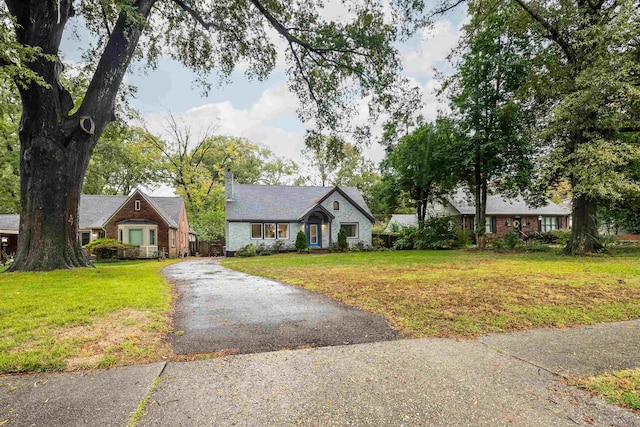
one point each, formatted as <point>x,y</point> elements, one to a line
<point>314,235</point>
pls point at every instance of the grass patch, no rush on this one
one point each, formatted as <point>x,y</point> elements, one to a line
<point>139,412</point>
<point>113,315</point>
<point>465,293</point>
<point>621,388</point>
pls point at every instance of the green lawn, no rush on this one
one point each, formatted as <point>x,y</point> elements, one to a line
<point>622,387</point>
<point>114,314</point>
<point>465,293</point>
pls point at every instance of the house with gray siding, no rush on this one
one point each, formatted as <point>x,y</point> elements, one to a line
<point>264,214</point>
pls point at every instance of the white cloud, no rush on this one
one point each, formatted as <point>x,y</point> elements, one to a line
<point>276,103</point>
<point>437,43</point>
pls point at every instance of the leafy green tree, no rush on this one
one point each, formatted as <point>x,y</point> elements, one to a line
<point>330,63</point>
<point>340,163</point>
<point>494,147</point>
<point>323,154</point>
<point>9,148</point>
<point>587,85</point>
<point>421,165</point>
<point>123,160</point>
<point>278,171</point>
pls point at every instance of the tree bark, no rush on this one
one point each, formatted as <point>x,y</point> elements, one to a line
<point>54,147</point>
<point>481,201</point>
<point>584,231</point>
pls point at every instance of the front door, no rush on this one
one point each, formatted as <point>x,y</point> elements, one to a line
<point>314,235</point>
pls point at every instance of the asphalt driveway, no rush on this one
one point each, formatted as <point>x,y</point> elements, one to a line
<point>220,309</point>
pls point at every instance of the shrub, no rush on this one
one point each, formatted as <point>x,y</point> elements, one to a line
<point>247,251</point>
<point>377,242</point>
<point>128,251</point>
<point>436,233</point>
<point>278,246</point>
<point>335,248</point>
<point>104,248</point>
<point>301,242</point>
<point>361,246</point>
<point>511,240</point>
<point>342,240</point>
<point>533,245</point>
<point>558,237</point>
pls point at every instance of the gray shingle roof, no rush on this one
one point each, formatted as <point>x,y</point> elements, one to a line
<point>95,210</point>
<point>498,205</point>
<point>405,220</point>
<point>281,202</point>
<point>9,222</point>
<point>170,207</point>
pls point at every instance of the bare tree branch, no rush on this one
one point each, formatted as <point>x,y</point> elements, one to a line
<point>106,19</point>
<point>446,8</point>
<point>195,15</point>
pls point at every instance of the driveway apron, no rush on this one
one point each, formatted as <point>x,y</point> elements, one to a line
<point>220,309</point>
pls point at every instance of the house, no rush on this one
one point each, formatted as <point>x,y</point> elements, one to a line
<point>262,214</point>
<point>153,223</point>
<point>9,233</point>
<point>503,215</point>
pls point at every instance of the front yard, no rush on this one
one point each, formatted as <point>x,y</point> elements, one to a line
<point>465,293</point>
<point>115,314</point>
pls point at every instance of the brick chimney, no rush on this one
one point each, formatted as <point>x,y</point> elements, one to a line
<point>228,185</point>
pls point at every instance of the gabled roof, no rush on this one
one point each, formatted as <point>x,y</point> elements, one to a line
<point>283,202</point>
<point>95,210</point>
<point>498,205</point>
<point>165,206</point>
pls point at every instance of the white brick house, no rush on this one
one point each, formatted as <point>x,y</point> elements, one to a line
<point>262,214</point>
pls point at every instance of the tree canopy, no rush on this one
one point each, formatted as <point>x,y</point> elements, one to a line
<point>331,64</point>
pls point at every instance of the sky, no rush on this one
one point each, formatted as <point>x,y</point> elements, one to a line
<point>265,112</point>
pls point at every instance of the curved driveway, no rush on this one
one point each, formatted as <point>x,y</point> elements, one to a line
<point>220,309</point>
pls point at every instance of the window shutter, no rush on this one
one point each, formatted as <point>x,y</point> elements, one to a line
<point>472,221</point>
<point>559,222</point>
<point>494,224</point>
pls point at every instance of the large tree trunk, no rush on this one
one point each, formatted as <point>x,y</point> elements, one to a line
<point>50,183</point>
<point>54,147</point>
<point>584,231</point>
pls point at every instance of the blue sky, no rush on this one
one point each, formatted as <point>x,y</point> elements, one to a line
<point>265,112</point>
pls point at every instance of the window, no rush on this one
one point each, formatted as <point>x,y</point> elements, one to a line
<point>120,232</point>
<point>136,205</point>
<point>490,224</point>
<point>256,231</point>
<point>135,236</point>
<point>152,237</point>
<point>270,231</point>
<point>101,234</point>
<point>548,223</point>
<point>85,237</point>
<point>350,229</point>
<point>336,205</point>
<point>283,231</point>
<point>173,238</point>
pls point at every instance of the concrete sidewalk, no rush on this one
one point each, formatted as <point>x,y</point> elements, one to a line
<point>501,379</point>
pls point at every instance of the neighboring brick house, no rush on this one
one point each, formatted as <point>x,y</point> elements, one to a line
<point>153,223</point>
<point>262,214</point>
<point>503,215</point>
